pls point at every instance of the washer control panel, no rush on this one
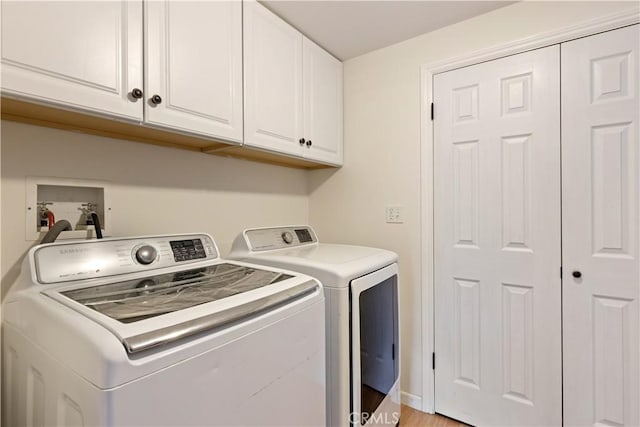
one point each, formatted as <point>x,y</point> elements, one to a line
<point>262,239</point>
<point>186,250</point>
<point>63,262</point>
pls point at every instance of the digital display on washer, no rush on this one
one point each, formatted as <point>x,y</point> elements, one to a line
<point>184,250</point>
<point>303,235</point>
<point>140,299</point>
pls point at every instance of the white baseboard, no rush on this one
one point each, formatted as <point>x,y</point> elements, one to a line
<point>411,400</point>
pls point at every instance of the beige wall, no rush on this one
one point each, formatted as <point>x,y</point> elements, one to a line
<point>155,190</point>
<point>382,146</point>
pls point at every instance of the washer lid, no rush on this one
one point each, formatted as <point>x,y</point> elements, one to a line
<point>154,310</point>
<point>140,299</point>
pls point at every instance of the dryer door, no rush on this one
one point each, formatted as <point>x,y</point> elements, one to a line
<point>375,351</point>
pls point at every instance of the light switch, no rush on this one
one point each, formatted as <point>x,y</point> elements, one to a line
<point>395,214</point>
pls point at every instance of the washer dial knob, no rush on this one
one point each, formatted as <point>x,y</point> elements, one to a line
<point>287,237</point>
<point>146,254</point>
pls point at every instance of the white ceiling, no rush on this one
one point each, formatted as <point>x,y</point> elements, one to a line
<point>350,28</point>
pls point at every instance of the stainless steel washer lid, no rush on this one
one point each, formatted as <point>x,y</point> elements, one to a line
<point>139,299</point>
<point>130,308</point>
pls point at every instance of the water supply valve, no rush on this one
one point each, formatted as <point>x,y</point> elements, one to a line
<point>91,217</point>
<point>45,215</point>
<point>88,209</point>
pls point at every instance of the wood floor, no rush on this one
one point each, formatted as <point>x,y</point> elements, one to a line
<point>410,417</point>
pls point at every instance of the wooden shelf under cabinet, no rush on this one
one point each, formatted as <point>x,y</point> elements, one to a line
<point>47,116</point>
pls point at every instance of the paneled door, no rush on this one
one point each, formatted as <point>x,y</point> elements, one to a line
<point>600,205</point>
<point>497,241</point>
<point>272,81</point>
<point>193,66</point>
<point>83,54</point>
<point>322,94</point>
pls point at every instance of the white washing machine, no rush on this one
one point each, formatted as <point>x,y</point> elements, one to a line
<point>160,331</point>
<point>361,290</point>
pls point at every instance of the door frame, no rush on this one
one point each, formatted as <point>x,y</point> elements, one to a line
<point>427,71</point>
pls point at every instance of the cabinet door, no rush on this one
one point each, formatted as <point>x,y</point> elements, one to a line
<point>85,55</point>
<point>273,81</point>
<point>193,62</point>
<point>322,90</point>
<point>600,229</point>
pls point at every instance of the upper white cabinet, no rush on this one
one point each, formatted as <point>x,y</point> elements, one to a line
<point>322,90</point>
<point>171,72</point>
<point>86,55</point>
<point>293,90</point>
<point>65,53</point>
<point>193,66</point>
<point>273,81</point>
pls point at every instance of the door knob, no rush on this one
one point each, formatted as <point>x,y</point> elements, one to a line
<point>576,274</point>
<point>302,141</point>
<point>136,93</point>
<point>156,99</point>
<point>309,143</point>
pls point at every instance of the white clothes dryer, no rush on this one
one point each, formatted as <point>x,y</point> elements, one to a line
<point>159,331</point>
<point>361,291</point>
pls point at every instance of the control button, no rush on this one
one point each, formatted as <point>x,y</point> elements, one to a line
<point>146,254</point>
<point>287,237</point>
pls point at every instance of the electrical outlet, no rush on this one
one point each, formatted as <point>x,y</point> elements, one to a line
<point>395,214</point>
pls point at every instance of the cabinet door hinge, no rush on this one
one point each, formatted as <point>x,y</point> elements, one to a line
<point>561,272</point>
<point>432,111</point>
<point>433,361</point>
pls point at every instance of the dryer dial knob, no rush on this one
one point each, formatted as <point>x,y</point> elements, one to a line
<point>146,254</point>
<point>287,237</point>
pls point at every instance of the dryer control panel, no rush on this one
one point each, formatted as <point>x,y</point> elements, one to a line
<point>263,239</point>
<point>64,262</point>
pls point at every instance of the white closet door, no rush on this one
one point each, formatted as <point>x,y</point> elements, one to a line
<point>600,204</point>
<point>497,241</point>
